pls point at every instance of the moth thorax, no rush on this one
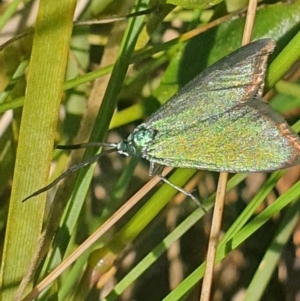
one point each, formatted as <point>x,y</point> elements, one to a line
<point>140,139</point>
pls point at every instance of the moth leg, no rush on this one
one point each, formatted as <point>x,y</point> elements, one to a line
<point>182,191</point>
<point>155,169</point>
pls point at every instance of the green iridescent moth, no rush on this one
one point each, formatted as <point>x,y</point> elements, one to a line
<point>217,122</point>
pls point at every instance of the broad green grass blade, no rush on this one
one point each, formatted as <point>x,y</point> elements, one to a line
<point>44,90</point>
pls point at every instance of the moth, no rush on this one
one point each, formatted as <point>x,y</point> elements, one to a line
<point>218,121</point>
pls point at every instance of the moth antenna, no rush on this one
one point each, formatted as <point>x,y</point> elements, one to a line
<point>68,172</point>
<point>85,145</point>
